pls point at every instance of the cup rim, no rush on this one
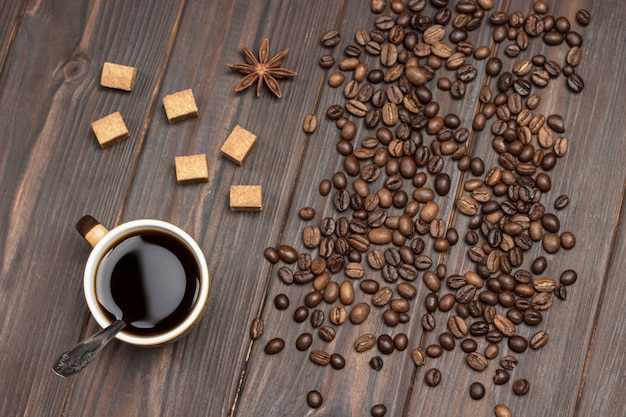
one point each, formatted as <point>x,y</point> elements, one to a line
<point>113,237</point>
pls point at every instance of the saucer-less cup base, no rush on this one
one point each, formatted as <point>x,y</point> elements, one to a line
<point>103,240</point>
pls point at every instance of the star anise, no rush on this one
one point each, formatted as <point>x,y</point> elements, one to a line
<point>262,70</point>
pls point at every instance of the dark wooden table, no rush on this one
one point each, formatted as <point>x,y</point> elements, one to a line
<point>52,171</point>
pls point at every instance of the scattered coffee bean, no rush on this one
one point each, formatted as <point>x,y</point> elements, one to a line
<point>274,346</point>
<point>521,386</point>
<point>376,363</point>
<point>314,399</point>
<point>379,410</point>
<point>432,377</point>
<point>477,391</point>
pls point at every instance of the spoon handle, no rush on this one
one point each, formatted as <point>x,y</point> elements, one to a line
<point>76,358</point>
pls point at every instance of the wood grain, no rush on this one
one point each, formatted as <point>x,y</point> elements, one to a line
<point>53,172</point>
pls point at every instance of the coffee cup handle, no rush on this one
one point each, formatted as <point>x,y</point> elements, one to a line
<point>91,229</point>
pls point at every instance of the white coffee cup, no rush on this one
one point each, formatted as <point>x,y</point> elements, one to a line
<point>103,241</point>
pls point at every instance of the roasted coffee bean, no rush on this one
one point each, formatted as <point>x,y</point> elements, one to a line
<point>274,346</point>
<point>287,254</point>
<point>401,341</point>
<point>359,313</point>
<point>521,386</point>
<point>465,293</point>
<point>327,333</point>
<point>365,342</point>
<point>385,344</point>
<point>501,410</point>
<point>338,315</point>
<point>501,377</point>
<point>428,321</point>
<point>281,301</point>
<point>447,341</point>
<point>575,83</point>
<point>477,361</point>
<point>477,391</point>
<point>256,328</point>
<point>469,345</point>
<point>538,340</point>
<point>419,357</point>
<point>517,344</point>
<point>458,327</point>
<point>331,38</point>
<point>286,275</point>
<point>320,357</point>
<point>568,277</point>
<point>583,17</point>
<point>432,377</point>
<point>271,254</point>
<point>304,341</point>
<point>337,361</point>
<point>314,399</point>
<point>301,314</point>
<point>508,362</point>
<point>379,410</point>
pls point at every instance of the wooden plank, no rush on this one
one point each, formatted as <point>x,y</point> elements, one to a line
<point>556,371</point>
<point>10,15</point>
<point>200,374</point>
<point>604,372</point>
<point>53,171</point>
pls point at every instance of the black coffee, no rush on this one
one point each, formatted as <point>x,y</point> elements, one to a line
<point>151,281</point>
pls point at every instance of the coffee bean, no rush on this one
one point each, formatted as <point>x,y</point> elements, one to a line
<point>314,399</point>
<point>575,83</point>
<point>359,313</point>
<point>502,410</point>
<point>317,318</point>
<point>477,391</point>
<point>337,361</point>
<point>301,314</point>
<point>376,363</point>
<point>538,340</point>
<point>501,377</point>
<point>274,346</point>
<point>281,301</point>
<point>477,361</point>
<point>338,315</point>
<point>378,410</point>
<point>319,357</point>
<point>458,327</point>
<point>583,17</point>
<point>521,386</point>
<point>432,377</point>
<point>285,274</point>
<point>271,254</point>
<point>304,341</point>
<point>287,254</point>
<point>325,187</point>
<point>508,362</point>
<point>331,38</point>
<point>256,328</point>
<point>517,344</point>
<point>365,342</point>
<point>469,345</point>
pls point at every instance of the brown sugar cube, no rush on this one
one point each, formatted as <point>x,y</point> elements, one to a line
<point>238,144</point>
<point>110,129</point>
<point>117,76</point>
<point>180,106</point>
<point>245,198</point>
<point>191,169</point>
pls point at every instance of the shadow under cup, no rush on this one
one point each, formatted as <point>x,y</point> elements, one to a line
<point>153,275</point>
